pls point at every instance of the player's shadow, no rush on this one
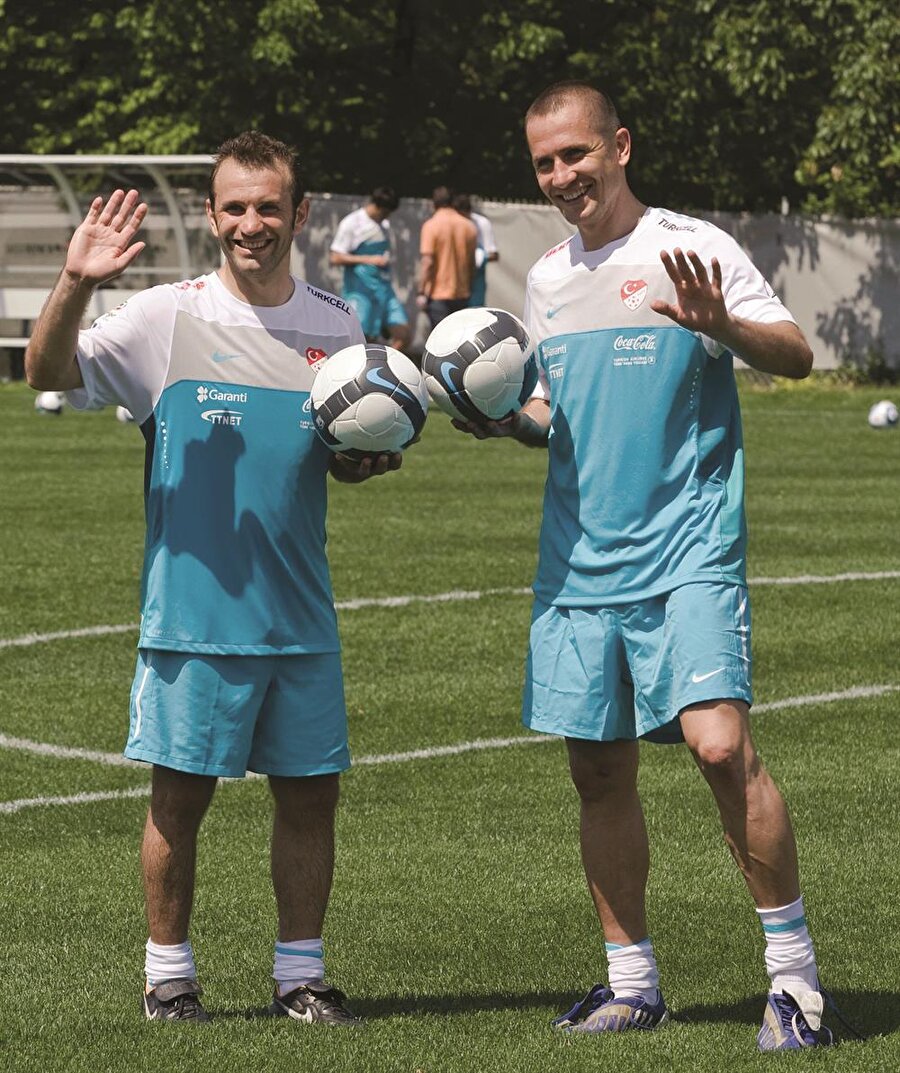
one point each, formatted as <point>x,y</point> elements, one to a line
<point>870,1013</point>
<point>381,1007</point>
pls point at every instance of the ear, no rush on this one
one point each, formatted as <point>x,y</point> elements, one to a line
<point>301,216</point>
<point>623,145</point>
<point>211,218</point>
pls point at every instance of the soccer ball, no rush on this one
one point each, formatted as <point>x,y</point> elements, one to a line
<point>368,399</point>
<point>50,402</point>
<point>884,414</point>
<point>478,364</point>
<point>123,415</point>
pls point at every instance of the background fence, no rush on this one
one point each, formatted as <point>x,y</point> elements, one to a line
<point>839,278</point>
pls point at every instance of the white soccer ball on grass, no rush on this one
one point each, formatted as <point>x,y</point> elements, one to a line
<point>368,399</point>
<point>479,364</point>
<point>884,414</point>
<point>50,402</point>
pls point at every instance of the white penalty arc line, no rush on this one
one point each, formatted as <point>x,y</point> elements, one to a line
<point>375,760</point>
<point>454,596</point>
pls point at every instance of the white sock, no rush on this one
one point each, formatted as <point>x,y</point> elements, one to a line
<point>299,962</point>
<point>633,971</point>
<point>174,962</point>
<point>790,958</point>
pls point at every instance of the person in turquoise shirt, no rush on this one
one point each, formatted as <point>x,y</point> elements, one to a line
<point>641,620</point>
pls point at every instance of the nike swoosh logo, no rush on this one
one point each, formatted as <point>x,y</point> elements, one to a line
<point>447,369</point>
<point>219,358</point>
<point>551,313</point>
<point>375,377</point>
<point>703,677</point>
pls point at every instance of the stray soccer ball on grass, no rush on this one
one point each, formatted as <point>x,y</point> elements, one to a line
<point>50,402</point>
<point>479,364</point>
<point>884,414</point>
<point>368,399</point>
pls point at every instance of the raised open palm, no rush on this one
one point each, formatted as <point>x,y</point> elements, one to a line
<point>699,305</point>
<point>102,246</point>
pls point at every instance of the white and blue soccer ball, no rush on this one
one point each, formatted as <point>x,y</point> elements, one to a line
<point>479,363</point>
<point>884,414</point>
<point>50,402</point>
<point>368,399</point>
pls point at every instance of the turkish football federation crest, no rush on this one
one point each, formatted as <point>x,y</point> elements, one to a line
<point>633,292</point>
<point>315,357</point>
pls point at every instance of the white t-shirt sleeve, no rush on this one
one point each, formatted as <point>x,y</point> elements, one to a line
<point>344,240</point>
<point>746,291</point>
<point>486,231</point>
<point>123,356</point>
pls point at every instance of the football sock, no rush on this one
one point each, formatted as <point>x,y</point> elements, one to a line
<point>169,962</point>
<point>298,962</point>
<point>632,971</point>
<point>790,958</point>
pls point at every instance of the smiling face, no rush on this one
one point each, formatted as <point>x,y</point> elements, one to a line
<point>255,222</point>
<point>580,168</point>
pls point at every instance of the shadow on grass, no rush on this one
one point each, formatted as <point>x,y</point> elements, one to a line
<point>871,1013</point>
<point>378,1008</point>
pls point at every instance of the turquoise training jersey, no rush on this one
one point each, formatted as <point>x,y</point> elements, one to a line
<point>359,234</point>
<point>235,478</point>
<point>645,483</point>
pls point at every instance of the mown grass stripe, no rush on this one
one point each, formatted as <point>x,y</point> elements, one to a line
<point>453,596</point>
<point>431,753</point>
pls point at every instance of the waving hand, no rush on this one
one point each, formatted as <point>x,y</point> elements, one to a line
<point>699,304</point>
<point>102,246</point>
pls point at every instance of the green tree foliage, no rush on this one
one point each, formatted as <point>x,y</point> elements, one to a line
<point>735,104</point>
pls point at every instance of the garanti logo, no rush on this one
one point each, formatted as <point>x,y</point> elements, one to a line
<point>223,416</point>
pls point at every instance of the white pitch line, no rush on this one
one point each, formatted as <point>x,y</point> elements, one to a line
<point>378,759</point>
<point>824,579</point>
<point>455,595</point>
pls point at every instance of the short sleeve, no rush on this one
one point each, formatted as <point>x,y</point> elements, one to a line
<point>344,241</point>
<point>123,356</point>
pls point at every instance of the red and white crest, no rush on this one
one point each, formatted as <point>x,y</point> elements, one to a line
<point>315,357</point>
<point>633,292</point>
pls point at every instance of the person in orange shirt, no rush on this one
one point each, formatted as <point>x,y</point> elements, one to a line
<point>446,259</point>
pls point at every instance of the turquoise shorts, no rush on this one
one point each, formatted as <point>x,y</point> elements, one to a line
<point>377,312</point>
<point>225,715</point>
<point>608,673</point>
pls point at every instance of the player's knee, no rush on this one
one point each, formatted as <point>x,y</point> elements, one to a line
<point>599,778</point>
<point>726,760</point>
<point>179,801</point>
<point>304,800</point>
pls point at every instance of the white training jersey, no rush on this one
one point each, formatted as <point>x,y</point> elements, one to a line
<point>235,473</point>
<point>645,482</point>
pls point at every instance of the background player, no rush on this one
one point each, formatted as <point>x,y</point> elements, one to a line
<point>485,250</point>
<point>238,663</point>
<point>362,247</point>
<point>641,621</point>
<point>447,244</point>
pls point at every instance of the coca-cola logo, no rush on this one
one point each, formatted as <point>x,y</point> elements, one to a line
<point>644,343</point>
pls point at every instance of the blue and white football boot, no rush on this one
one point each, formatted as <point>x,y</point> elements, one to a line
<point>793,1020</point>
<point>601,1011</point>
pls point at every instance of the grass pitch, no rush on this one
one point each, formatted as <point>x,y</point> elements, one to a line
<point>459,922</point>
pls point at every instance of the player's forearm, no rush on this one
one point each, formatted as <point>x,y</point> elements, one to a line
<point>50,363</point>
<point>426,274</point>
<point>531,424</point>
<point>779,348</point>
